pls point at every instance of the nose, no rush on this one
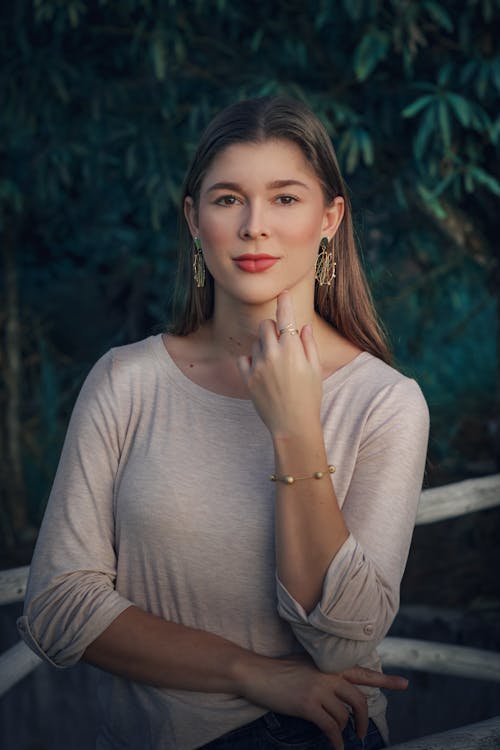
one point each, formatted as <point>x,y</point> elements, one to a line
<point>254,224</point>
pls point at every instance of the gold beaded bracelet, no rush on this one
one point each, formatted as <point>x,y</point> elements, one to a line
<point>288,479</point>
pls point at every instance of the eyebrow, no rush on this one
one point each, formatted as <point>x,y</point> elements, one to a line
<point>276,184</point>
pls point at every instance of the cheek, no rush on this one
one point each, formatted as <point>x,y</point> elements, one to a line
<point>214,232</point>
<point>308,232</point>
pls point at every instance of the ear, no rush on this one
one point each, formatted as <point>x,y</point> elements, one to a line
<point>191,215</point>
<point>333,216</point>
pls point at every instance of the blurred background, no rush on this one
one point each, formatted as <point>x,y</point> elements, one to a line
<point>101,106</point>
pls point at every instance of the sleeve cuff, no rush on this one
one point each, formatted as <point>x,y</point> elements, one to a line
<point>327,614</point>
<point>68,654</point>
<point>24,630</point>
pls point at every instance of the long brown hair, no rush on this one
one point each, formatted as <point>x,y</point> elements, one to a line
<point>347,304</point>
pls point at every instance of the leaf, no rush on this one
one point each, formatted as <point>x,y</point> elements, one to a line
<point>494,131</point>
<point>159,58</point>
<point>415,107</point>
<point>495,73</point>
<point>426,129</point>
<point>480,120</point>
<point>439,14</point>
<point>431,201</point>
<point>366,147</point>
<point>75,10</point>
<point>444,74</point>
<point>468,182</point>
<point>441,187</point>
<point>370,51</point>
<point>468,71</point>
<point>486,179</point>
<point>444,123</point>
<point>353,8</point>
<point>461,107</point>
<point>400,195</point>
<point>257,39</point>
<point>352,156</point>
<point>268,88</point>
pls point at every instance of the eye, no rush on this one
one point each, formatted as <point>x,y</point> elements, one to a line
<point>226,200</point>
<point>286,200</point>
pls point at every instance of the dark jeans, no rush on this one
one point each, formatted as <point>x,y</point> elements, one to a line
<point>288,732</point>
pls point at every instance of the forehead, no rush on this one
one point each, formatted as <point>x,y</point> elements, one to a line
<point>273,159</point>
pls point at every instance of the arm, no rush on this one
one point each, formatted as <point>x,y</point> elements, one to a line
<point>284,381</point>
<point>360,593</point>
<point>338,572</point>
<point>146,648</point>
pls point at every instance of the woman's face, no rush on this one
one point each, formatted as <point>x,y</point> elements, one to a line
<point>260,218</point>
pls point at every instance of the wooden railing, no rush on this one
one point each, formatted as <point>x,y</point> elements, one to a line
<point>436,504</point>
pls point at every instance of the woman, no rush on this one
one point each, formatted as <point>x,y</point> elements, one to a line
<point>226,609</point>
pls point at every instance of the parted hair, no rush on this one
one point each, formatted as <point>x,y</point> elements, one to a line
<point>347,304</point>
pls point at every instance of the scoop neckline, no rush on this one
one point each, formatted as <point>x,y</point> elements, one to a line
<point>204,394</point>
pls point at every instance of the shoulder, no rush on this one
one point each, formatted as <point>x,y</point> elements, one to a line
<point>122,369</point>
<point>375,392</point>
<point>380,377</point>
<point>392,396</point>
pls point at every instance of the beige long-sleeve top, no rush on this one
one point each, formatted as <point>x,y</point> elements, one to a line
<point>162,500</point>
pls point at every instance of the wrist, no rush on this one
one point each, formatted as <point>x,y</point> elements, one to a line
<point>299,435</point>
<point>247,670</point>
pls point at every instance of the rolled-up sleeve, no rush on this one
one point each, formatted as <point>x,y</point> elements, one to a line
<point>360,595</point>
<point>71,597</point>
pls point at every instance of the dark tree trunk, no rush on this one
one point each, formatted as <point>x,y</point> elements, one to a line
<point>11,428</point>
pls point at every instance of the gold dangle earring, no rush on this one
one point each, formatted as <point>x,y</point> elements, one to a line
<point>325,263</point>
<point>198,264</point>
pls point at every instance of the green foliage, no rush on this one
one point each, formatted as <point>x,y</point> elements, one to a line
<point>103,103</point>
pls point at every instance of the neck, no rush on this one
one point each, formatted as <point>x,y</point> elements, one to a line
<point>234,326</point>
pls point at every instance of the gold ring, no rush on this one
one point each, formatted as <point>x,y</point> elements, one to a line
<point>290,328</point>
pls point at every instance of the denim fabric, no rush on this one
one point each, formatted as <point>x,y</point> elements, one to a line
<point>278,732</point>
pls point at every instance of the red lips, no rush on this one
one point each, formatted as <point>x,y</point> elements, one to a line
<point>254,263</point>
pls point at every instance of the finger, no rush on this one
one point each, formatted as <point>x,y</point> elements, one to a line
<point>285,314</point>
<point>372,678</point>
<point>268,335</point>
<point>337,709</point>
<point>244,367</point>
<point>328,726</point>
<point>355,698</point>
<point>310,348</point>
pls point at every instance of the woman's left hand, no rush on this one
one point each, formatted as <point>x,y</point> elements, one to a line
<point>283,373</point>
